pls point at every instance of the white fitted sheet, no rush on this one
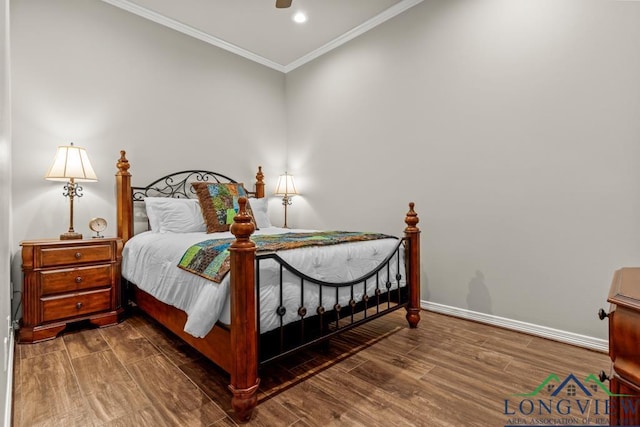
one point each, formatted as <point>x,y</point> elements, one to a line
<point>150,261</point>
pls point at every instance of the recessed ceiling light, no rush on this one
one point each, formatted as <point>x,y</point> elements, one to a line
<point>300,17</point>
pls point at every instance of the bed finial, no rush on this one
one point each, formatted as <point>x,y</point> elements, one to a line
<point>412,219</point>
<point>123,163</point>
<point>259,183</point>
<point>412,236</point>
<point>242,226</point>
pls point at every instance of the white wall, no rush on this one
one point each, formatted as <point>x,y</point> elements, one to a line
<point>90,73</point>
<point>5,216</point>
<point>513,125</point>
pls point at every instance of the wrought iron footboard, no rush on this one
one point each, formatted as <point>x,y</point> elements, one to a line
<point>378,292</point>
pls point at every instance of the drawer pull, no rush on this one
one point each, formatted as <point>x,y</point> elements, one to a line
<point>602,314</point>
<point>602,376</point>
<point>78,255</point>
<point>78,305</point>
<point>79,279</point>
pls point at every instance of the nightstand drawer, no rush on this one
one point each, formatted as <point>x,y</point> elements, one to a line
<point>50,257</point>
<point>55,308</point>
<point>75,279</point>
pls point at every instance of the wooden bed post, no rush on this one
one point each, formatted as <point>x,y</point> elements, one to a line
<point>244,333</point>
<point>412,234</point>
<point>124,203</point>
<point>259,183</point>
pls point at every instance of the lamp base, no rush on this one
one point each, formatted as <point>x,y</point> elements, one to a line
<point>70,235</point>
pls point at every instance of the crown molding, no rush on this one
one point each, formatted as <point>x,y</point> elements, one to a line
<point>193,32</point>
<point>158,18</point>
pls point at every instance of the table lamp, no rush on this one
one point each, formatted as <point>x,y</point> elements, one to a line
<point>71,164</point>
<point>286,188</point>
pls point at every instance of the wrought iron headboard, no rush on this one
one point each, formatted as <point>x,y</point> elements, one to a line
<point>178,185</point>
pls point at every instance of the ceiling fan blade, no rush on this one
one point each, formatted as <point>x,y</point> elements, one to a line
<point>283,3</point>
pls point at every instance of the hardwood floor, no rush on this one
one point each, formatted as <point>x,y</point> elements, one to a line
<point>448,372</point>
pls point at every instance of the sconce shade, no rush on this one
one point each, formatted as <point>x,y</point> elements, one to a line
<point>71,162</point>
<point>286,186</point>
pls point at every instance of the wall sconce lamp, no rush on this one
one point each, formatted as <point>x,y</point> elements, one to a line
<point>71,164</point>
<point>286,188</point>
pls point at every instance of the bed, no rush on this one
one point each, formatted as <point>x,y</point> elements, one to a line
<point>271,305</point>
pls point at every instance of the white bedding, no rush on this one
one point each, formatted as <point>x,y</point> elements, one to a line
<point>150,261</point>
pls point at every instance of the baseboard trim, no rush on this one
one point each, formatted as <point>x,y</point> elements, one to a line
<point>9,391</point>
<point>584,341</point>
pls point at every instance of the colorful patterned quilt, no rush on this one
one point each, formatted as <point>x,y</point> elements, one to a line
<point>210,258</point>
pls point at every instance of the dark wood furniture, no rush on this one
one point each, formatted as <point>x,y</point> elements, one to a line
<point>68,281</point>
<point>624,347</point>
<point>236,348</point>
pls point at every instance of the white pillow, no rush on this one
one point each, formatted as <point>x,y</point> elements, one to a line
<point>169,215</point>
<point>260,214</point>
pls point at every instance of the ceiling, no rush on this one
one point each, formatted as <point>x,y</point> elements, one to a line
<point>257,30</point>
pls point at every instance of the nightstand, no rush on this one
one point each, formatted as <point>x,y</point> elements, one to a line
<point>624,347</point>
<point>68,281</point>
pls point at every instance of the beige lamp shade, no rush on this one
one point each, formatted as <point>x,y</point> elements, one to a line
<point>71,162</point>
<point>286,186</point>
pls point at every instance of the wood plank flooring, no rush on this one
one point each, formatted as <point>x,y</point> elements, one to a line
<point>448,372</point>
